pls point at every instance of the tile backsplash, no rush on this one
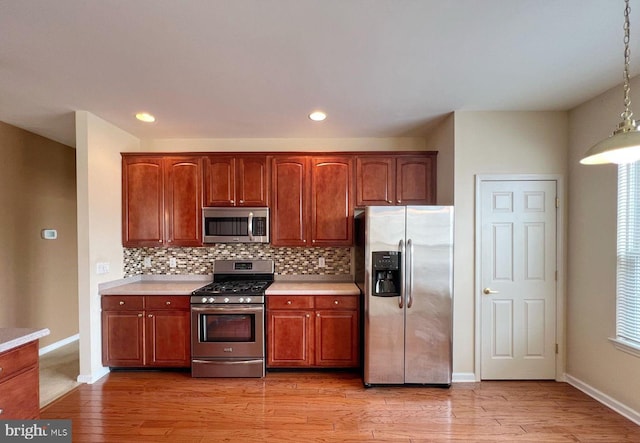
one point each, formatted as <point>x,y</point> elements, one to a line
<point>194,261</point>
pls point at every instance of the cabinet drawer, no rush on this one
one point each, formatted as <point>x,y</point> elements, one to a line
<point>19,396</point>
<point>289,301</point>
<point>122,303</point>
<point>337,302</point>
<point>179,302</point>
<point>18,359</point>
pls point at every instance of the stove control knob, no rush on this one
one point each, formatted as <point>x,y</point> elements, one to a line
<point>211,299</point>
<point>248,300</point>
<point>241,300</point>
<point>226,300</point>
<point>204,299</point>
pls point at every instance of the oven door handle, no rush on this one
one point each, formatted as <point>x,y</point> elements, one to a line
<point>225,308</point>
<point>228,362</point>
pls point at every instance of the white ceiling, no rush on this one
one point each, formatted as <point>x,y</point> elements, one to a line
<point>256,68</point>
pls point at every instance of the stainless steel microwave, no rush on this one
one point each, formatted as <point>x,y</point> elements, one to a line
<point>235,225</point>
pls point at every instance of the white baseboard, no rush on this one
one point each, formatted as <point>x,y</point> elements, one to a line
<point>603,398</point>
<point>58,344</point>
<point>94,377</point>
<point>464,377</point>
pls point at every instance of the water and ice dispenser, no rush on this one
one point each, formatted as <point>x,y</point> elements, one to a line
<point>386,273</point>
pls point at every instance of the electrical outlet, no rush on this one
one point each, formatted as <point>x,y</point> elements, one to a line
<point>146,262</point>
<point>321,263</point>
<point>102,268</point>
<point>172,262</point>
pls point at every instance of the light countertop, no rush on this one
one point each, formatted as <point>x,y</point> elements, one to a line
<point>13,337</point>
<point>312,288</point>
<point>150,287</point>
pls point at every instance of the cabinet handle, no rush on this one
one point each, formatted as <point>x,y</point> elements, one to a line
<point>335,302</point>
<point>399,201</point>
<point>0,370</point>
<point>232,201</point>
<point>389,201</point>
<point>168,303</point>
<point>121,303</point>
<point>288,302</point>
<point>241,201</point>
<point>150,315</point>
<point>159,241</point>
<point>308,315</point>
<point>139,315</point>
<point>318,314</point>
<point>1,411</point>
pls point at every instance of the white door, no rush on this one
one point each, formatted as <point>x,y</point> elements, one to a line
<point>518,279</point>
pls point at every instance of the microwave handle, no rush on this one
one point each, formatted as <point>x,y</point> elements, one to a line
<point>250,226</point>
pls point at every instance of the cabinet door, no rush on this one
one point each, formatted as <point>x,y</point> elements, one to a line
<point>168,338</point>
<point>375,181</point>
<point>142,198</point>
<point>122,338</point>
<point>332,201</point>
<point>219,179</point>
<point>184,201</point>
<point>20,397</point>
<point>252,181</point>
<point>416,180</point>
<point>337,338</point>
<point>289,338</point>
<point>289,203</point>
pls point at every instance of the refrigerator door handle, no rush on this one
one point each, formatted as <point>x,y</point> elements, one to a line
<point>402,260</point>
<point>410,274</point>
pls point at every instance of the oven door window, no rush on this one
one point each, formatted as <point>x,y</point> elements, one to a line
<point>227,328</point>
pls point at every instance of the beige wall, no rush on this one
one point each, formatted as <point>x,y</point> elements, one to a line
<point>591,294</point>
<point>284,144</point>
<point>98,145</point>
<point>442,139</point>
<point>39,277</point>
<point>493,143</point>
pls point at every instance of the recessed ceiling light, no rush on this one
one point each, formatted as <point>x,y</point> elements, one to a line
<point>317,116</point>
<point>145,117</point>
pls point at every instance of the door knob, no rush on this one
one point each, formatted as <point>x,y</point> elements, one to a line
<point>489,291</point>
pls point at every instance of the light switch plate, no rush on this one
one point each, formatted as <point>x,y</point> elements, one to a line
<point>102,268</point>
<point>172,262</point>
<point>49,234</point>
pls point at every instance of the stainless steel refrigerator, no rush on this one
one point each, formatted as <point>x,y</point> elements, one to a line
<point>404,265</point>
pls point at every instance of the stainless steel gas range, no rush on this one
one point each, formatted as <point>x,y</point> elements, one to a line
<point>228,320</point>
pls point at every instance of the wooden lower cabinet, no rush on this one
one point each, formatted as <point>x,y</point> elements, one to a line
<point>146,331</point>
<point>20,383</point>
<point>313,331</point>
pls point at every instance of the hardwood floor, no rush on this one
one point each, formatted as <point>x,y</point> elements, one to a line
<point>330,407</point>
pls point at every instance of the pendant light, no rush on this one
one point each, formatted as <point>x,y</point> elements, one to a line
<point>623,146</point>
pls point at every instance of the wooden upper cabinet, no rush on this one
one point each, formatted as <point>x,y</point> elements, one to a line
<point>312,201</point>
<point>289,201</point>
<point>416,180</point>
<point>183,201</point>
<point>400,179</point>
<point>161,200</point>
<point>332,201</point>
<point>219,181</point>
<point>143,201</point>
<point>376,181</point>
<point>236,180</point>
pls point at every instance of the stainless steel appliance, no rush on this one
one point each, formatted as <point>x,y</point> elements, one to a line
<point>235,225</point>
<point>404,261</point>
<point>228,320</point>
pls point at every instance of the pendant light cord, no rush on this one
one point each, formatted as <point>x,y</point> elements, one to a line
<point>627,114</point>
